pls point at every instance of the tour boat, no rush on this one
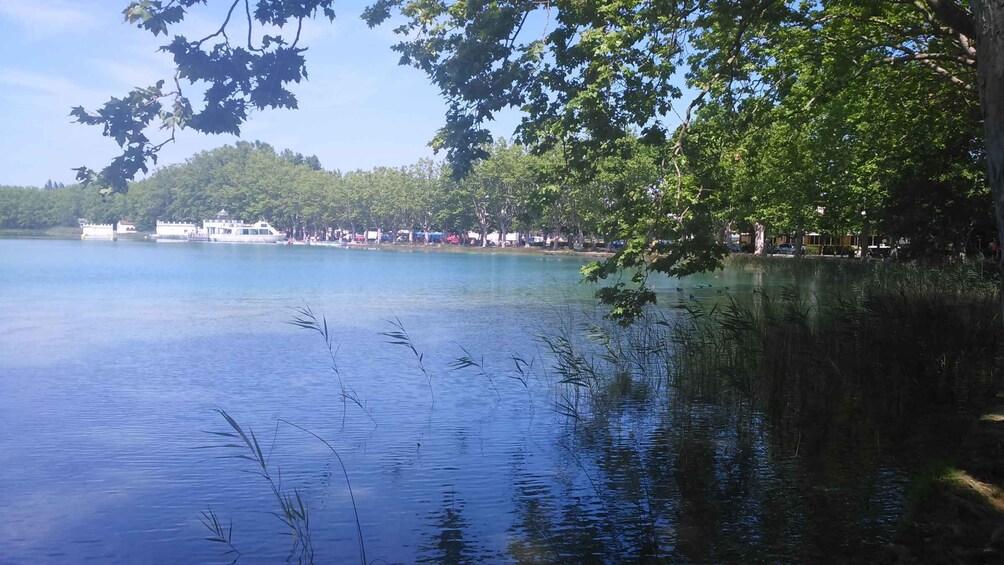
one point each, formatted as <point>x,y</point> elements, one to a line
<point>222,229</point>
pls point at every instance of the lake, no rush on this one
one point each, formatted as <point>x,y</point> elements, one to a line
<point>114,357</point>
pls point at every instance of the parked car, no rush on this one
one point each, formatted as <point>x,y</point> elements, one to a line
<point>785,249</point>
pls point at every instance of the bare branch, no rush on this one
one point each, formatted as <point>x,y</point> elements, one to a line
<point>223,28</point>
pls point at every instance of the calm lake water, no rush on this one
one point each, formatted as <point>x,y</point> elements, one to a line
<point>114,355</point>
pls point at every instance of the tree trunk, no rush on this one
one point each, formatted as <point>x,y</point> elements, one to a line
<point>759,238</point>
<point>990,67</point>
<point>863,241</point>
<point>799,236</point>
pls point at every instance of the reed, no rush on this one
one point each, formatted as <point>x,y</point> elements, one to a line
<point>468,361</point>
<point>221,535</point>
<point>399,336</point>
<point>292,510</point>
<point>306,319</point>
<point>882,342</point>
<point>887,343</point>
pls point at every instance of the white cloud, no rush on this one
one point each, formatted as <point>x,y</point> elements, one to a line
<point>51,87</point>
<point>143,70</point>
<point>45,18</point>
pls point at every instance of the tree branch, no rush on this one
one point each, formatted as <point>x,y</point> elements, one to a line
<point>223,28</point>
<point>953,15</point>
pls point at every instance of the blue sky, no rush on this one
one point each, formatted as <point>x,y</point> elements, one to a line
<point>359,109</point>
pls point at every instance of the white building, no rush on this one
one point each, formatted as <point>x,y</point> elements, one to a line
<point>173,231</point>
<point>97,231</point>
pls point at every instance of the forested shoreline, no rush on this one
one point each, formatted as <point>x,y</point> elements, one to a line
<point>507,194</point>
<point>518,193</point>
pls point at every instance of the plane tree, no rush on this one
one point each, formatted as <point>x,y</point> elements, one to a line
<point>586,73</point>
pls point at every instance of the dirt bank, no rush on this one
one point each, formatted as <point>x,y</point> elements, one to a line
<point>959,517</point>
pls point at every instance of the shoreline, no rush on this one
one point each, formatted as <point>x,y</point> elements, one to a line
<point>958,512</point>
<point>73,234</point>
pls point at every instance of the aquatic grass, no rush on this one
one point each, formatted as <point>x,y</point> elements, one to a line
<point>399,336</point>
<point>468,360</point>
<point>348,485</point>
<point>522,369</point>
<point>888,343</point>
<point>598,364</point>
<point>574,367</point>
<point>293,511</point>
<point>306,319</point>
<point>874,345</point>
<point>220,535</point>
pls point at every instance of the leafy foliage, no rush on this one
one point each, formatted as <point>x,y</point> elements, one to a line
<point>800,107</point>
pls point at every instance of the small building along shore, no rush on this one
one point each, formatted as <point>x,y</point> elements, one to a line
<point>173,231</point>
<point>90,230</point>
<point>125,227</point>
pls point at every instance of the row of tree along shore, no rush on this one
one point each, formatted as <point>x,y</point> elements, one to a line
<point>512,196</point>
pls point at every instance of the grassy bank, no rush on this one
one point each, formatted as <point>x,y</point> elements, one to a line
<point>57,232</point>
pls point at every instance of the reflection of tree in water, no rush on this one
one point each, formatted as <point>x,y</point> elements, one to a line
<point>448,537</point>
<point>555,528</point>
<point>700,483</point>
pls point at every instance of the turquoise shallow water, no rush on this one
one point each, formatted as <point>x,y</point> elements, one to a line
<point>113,356</point>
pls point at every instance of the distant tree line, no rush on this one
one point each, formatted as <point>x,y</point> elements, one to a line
<point>756,178</point>
<point>509,193</point>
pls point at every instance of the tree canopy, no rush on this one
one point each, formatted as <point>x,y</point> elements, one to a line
<point>797,106</point>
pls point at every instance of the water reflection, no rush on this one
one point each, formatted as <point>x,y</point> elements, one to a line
<point>654,483</point>
<point>448,538</point>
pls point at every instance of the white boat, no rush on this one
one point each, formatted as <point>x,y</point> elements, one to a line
<point>225,230</point>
